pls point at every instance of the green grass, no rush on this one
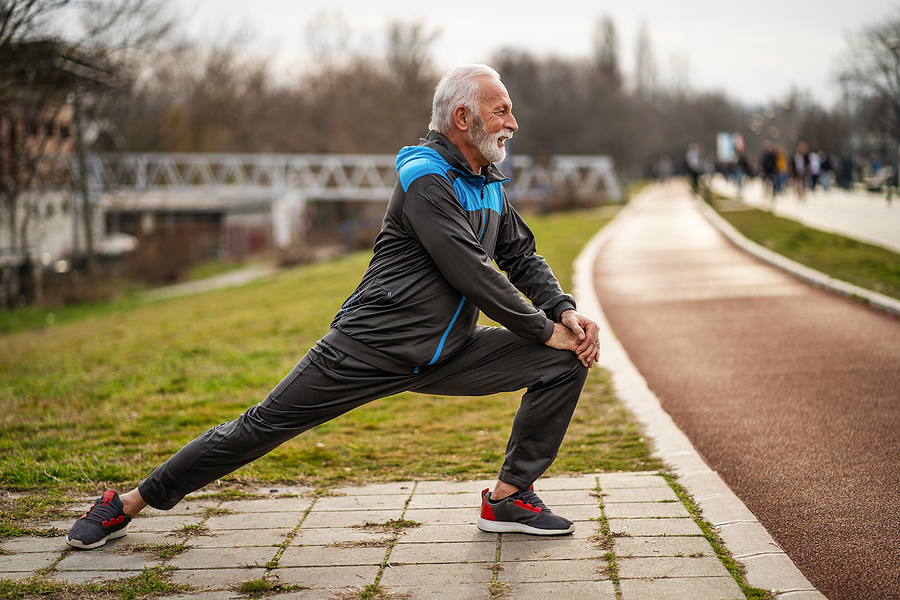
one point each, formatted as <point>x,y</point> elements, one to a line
<point>219,267</point>
<point>29,318</point>
<point>867,266</point>
<point>124,299</point>
<point>103,398</point>
<point>150,583</point>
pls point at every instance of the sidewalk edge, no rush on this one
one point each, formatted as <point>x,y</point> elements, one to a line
<point>802,272</point>
<point>720,506</point>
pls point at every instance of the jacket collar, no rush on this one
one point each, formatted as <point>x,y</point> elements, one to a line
<point>457,161</point>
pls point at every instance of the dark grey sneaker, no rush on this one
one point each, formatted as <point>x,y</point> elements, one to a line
<point>523,512</point>
<point>105,520</point>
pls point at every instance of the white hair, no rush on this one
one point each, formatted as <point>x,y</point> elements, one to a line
<point>458,87</point>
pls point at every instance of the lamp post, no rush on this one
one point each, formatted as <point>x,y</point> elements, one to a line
<point>893,44</point>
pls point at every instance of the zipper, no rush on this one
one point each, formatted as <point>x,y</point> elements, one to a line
<point>437,353</point>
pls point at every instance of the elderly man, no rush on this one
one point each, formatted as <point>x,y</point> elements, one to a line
<point>412,325</point>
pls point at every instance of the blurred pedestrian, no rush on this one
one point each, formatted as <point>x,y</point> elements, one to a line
<point>781,167</point>
<point>741,171</point>
<point>814,170</point>
<point>827,168</point>
<point>799,164</point>
<point>693,161</point>
<point>769,165</point>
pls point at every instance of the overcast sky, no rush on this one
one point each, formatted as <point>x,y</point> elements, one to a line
<point>755,51</point>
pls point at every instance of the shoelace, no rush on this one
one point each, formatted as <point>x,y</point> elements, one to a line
<point>529,497</point>
<point>94,513</point>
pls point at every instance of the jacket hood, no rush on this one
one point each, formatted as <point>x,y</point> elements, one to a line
<point>435,143</point>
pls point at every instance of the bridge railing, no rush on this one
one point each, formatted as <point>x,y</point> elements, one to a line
<point>323,176</point>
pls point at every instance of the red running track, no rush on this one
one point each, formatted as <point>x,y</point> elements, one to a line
<point>790,392</point>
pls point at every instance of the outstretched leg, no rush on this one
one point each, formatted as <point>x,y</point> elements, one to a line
<point>325,384</point>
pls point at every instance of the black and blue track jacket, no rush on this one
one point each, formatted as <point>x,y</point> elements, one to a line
<point>433,268</point>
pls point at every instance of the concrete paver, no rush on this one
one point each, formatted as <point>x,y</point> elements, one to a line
<point>522,548</point>
<point>20,565</point>
<point>334,546</point>
<point>241,538</point>
<point>528,571</point>
<point>82,561</point>
<point>655,527</point>
<point>216,578</point>
<point>685,588</point>
<point>81,577</point>
<point>637,510</point>
<point>304,556</point>
<point>444,553</point>
<point>337,577</point>
<point>671,566</point>
<point>213,558</point>
<point>595,590</point>
<point>631,547</point>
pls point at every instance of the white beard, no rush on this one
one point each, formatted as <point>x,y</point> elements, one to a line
<point>488,145</point>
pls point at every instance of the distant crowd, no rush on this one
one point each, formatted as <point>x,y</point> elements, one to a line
<point>800,170</point>
<point>804,169</point>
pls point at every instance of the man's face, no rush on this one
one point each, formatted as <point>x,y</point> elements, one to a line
<point>495,124</point>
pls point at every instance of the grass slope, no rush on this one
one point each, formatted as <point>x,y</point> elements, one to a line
<point>104,398</point>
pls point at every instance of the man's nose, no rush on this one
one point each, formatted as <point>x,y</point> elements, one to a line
<point>510,122</point>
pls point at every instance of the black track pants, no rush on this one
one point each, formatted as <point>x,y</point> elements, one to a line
<point>327,383</point>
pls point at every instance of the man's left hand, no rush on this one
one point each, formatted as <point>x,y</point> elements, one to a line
<point>588,332</point>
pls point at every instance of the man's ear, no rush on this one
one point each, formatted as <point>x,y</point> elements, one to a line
<point>461,118</point>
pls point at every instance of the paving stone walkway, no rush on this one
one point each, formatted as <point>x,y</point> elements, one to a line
<point>412,539</point>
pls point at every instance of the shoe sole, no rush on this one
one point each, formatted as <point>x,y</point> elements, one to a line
<point>512,527</point>
<point>82,546</point>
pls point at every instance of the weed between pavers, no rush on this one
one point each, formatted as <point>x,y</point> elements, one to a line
<point>394,525</point>
<point>257,588</point>
<point>605,540</point>
<point>229,494</point>
<point>151,582</point>
<point>373,592</point>
<point>191,531</point>
<point>160,551</point>
<point>323,492</point>
<point>499,590</point>
<point>384,543</point>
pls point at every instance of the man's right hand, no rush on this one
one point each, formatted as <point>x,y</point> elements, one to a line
<point>564,338</point>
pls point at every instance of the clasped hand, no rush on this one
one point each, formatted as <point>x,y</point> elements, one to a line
<point>579,334</point>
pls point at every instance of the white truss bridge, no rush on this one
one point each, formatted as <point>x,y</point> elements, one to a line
<point>324,176</point>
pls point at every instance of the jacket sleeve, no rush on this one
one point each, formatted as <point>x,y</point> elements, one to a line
<point>528,271</point>
<point>432,214</point>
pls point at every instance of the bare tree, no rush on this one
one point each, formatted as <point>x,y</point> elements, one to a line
<point>645,66</point>
<point>411,69</point>
<point>606,52</point>
<point>53,52</point>
<point>872,68</point>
